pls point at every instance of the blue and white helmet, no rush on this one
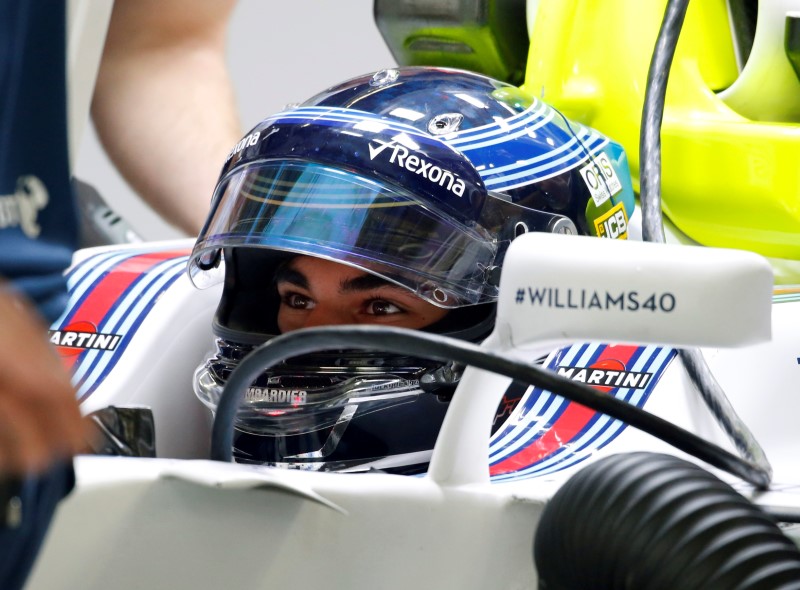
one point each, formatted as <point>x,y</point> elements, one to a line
<point>422,176</point>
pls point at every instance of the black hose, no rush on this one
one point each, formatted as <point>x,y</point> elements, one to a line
<point>653,227</point>
<point>652,115</point>
<point>437,347</point>
<point>649,521</point>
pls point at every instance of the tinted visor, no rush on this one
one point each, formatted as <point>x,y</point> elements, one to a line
<point>321,211</point>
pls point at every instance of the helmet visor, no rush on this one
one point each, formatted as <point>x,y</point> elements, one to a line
<point>326,212</point>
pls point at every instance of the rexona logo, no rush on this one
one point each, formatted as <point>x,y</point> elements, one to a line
<point>79,336</point>
<point>248,141</point>
<point>607,375</point>
<point>400,156</point>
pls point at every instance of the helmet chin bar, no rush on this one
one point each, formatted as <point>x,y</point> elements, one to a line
<point>404,463</point>
<point>322,411</point>
<point>435,346</point>
<point>333,438</point>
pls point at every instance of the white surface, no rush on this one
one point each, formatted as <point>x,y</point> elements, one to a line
<point>768,77</point>
<point>87,23</point>
<point>143,528</point>
<point>574,288</point>
<point>279,53</point>
<point>168,523</point>
<point>157,367</point>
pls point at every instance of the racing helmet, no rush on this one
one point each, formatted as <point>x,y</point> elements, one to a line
<point>421,176</point>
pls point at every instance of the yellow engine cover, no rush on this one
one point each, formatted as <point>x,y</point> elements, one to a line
<point>730,178</point>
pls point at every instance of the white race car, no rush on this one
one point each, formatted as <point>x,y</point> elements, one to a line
<point>184,521</point>
<point>619,464</point>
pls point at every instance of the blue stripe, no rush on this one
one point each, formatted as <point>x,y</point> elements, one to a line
<point>526,176</point>
<point>339,115</point>
<point>536,115</point>
<point>132,328</point>
<point>588,433</point>
<point>602,429</point>
<point>123,319</point>
<point>531,403</point>
<point>592,435</point>
<point>542,404</point>
<point>609,428</point>
<point>82,280</point>
<point>572,452</point>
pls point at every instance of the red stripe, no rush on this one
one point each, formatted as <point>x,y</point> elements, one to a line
<point>105,294</point>
<point>572,420</point>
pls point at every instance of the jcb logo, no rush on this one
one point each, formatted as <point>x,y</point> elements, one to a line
<point>613,223</point>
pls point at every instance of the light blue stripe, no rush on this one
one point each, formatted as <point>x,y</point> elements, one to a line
<point>530,175</point>
<point>135,300</point>
<point>120,319</point>
<point>580,151</point>
<point>530,113</point>
<point>586,357</point>
<point>135,315</point>
<point>109,324</point>
<point>527,430</point>
<point>540,399</point>
<point>535,160</point>
<point>576,139</point>
<point>591,441</point>
<point>80,280</point>
<point>536,116</point>
<point>498,449</point>
<point>504,139</point>
<point>579,450</point>
<point>92,272</point>
<point>313,114</point>
<point>588,440</point>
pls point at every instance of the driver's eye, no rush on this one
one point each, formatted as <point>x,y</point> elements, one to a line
<point>381,307</point>
<point>297,301</point>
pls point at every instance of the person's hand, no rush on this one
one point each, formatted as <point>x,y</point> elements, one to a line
<point>39,417</point>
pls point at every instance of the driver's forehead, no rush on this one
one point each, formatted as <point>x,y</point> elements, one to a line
<point>314,273</point>
<point>309,265</point>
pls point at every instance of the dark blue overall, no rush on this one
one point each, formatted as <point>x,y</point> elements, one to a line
<point>38,223</point>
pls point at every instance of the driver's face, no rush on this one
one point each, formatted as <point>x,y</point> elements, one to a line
<point>317,292</point>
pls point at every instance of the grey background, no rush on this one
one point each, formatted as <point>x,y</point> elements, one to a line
<point>279,53</point>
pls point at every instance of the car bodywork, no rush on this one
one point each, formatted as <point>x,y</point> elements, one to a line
<point>181,520</point>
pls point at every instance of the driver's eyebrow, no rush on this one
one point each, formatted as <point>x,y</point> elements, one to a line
<point>285,274</point>
<point>365,282</point>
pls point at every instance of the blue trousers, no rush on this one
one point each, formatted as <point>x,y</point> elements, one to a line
<point>20,545</point>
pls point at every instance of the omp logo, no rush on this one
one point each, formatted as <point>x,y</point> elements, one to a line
<point>607,375</point>
<point>400,156</point>
<point>295,397</point>
<point>21,209</point>
<point>79,336</point>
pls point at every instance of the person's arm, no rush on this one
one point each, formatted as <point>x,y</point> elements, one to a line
<point>164,106</point>
<point>40,422</point>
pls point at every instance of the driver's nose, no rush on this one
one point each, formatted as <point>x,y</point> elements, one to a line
<point>323,315</point>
